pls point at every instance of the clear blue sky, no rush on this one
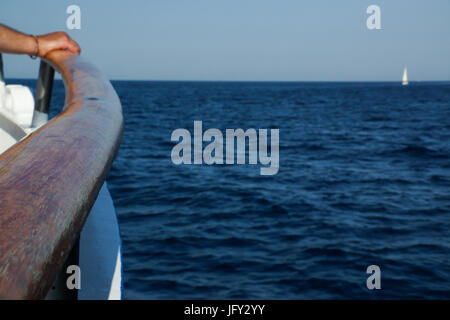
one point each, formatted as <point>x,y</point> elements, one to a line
<point>310,40</point>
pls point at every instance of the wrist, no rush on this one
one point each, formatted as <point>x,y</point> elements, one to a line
<point>30,45</point>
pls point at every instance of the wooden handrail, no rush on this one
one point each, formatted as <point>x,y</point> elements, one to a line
<point>50,180</point>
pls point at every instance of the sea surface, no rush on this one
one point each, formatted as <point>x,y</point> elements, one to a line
<point>364,180</point>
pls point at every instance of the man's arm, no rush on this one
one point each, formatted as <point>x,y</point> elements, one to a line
<point>12,41</point>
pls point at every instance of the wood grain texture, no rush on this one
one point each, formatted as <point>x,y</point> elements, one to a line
<point>50,180</point>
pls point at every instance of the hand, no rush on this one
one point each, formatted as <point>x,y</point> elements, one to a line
<point>57,41</point>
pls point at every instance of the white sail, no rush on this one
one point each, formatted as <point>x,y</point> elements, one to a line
<point>405,77</point>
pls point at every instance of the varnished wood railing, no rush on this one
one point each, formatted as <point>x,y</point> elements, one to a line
<point>50,180</point>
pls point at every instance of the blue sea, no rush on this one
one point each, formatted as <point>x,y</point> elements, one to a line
<point>364,179</point>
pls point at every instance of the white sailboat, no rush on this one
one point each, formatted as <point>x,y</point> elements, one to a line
<point>405,77</point>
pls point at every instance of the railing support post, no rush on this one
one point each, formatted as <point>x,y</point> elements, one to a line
<point>44,89</point>
<point>2,77</point>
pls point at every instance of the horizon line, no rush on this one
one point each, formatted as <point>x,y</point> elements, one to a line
<point>268,81</point>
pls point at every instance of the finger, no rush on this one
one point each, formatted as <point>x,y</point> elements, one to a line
<point>74,47</point>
